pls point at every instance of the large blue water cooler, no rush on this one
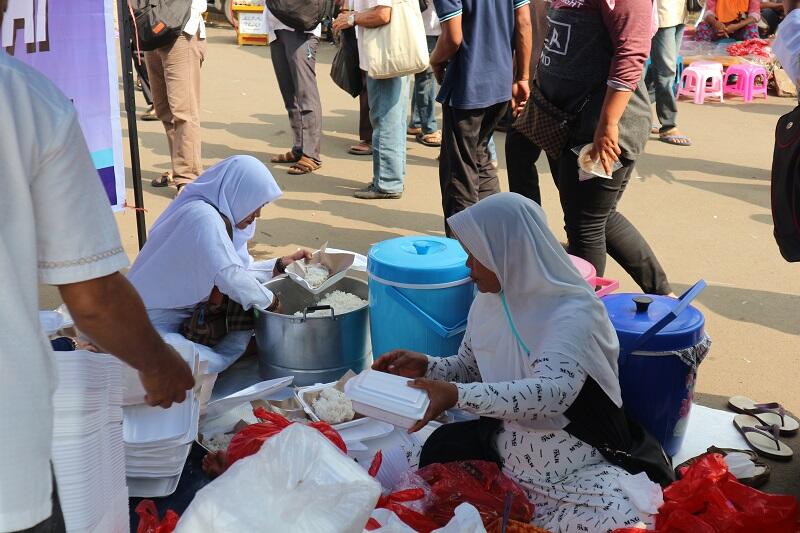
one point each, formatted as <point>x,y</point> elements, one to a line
<point>420,293</point>
<point>662,341</point>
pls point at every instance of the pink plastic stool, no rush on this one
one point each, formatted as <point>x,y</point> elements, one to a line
<point>701,80</point>
<point>747,82</point>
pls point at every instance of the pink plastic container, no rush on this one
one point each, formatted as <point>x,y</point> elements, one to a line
<point>589,273</point>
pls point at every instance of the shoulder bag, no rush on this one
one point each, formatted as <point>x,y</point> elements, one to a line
<point>159,23</point>
<point>399,48</point>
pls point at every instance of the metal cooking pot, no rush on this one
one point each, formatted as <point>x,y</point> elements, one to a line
<point>312,349</point>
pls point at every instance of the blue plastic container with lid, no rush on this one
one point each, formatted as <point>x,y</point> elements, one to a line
<point>420,293</point>
<point>662,341</point>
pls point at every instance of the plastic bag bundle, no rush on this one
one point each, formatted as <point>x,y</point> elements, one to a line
<point>709,499</point>
<point>298,482</point>
<point>149,522</point>
<point>249,440</point>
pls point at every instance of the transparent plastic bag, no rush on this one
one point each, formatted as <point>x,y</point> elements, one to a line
<point>298,481</point>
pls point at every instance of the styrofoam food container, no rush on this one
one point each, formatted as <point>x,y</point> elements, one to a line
<point>387,397</point>
<point>371,430</point>
<point>254,392</point>
<point>152,488</point>
<point>144,424</point>
<point>302,391</point>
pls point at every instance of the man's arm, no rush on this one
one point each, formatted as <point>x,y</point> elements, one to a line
<point>523,44</point>
<point>374,17</point>
<point>109,311</point>
<point>447,46</point>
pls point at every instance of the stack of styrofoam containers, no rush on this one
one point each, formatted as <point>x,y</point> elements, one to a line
<point>158,441</point>
<point>88,452</point>
<point>387,397</point>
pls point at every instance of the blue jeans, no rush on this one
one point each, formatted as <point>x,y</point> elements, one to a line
<point>423,97</point>
<point>660,75</point>
<point>388,101</point>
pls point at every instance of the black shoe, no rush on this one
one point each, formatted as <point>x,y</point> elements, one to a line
<point>371,193</point>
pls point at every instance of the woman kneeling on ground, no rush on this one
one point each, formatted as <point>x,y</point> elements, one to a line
<point>538,355</point>
<point>196,257</point>
<point>730,19</point>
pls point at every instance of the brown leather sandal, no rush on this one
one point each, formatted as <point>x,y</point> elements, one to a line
<point>288,157</point>
<point>164,180</point>
<point>305,165</point>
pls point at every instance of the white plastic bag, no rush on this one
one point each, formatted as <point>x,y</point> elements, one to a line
<point>298,482</point>
<point>467,519</point>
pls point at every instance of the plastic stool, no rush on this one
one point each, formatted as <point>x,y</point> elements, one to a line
<point>701,80</point>
<point>745,83</point>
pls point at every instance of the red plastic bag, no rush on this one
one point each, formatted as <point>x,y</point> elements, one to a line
<point>480,483</point>
<point>249,440</point>
<point>149,522</point>
<point>708,499</point>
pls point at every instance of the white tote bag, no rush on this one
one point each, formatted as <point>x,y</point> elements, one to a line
<point>400,47</point>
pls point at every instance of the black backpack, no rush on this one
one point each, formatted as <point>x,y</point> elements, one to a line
<point>786,185</point>
<point>301,15</point>
<point>159,23</point>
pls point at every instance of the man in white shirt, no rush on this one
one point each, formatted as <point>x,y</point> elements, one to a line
<point>294,58</point>
<point>423,123</point>
<point>174,72</point>
<point>660,76</point>
<point>55,220</point>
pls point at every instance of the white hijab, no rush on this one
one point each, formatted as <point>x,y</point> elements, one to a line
<point>189,245</point>
<point>552,307</point>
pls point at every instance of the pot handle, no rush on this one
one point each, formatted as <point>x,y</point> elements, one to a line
<point>312,308</point>
<point>684,301</point>
<point>440,329</point>
<point>607,286</point>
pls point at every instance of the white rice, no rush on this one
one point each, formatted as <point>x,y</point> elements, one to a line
<point>218,442</point>
<point>316,275</point>
<point>342,302</point>
<point>333,407</point>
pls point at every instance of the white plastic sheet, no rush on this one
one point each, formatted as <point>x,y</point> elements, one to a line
<point>298,482</point>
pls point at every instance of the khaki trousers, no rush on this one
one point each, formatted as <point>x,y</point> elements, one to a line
<point>174,73</point>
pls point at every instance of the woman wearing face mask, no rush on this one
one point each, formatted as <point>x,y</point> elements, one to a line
<point>196,255</point>
<point>539,356</point>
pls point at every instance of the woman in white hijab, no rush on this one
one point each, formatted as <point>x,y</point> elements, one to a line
<point>536,338</point>
<point>190,253</point>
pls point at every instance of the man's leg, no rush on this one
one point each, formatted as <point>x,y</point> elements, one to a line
<point>388,100</point>
<point>459,160</point>
<point>663,57</point>
<point>158,87</point>
<point>364,122</point>
<point>488,182</point>
<point>302,62</point>
<point>521,157</point>
<point>182,74</point>
<point>280,52</point>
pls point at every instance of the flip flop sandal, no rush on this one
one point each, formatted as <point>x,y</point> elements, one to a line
<point>163,180</point>
<point>755,481</point>
<point>413,132</point>
<point>288,157</point>
<point>655,129</point>
<point>305,165</point>
<point>762,439</point>
<point>360,149</point>
<point>433,140</point>
<point>675,140</point>
<point>767,414</point>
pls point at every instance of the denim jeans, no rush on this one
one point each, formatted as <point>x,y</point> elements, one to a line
<point>423,97</point>
<point>388,105</point>
<point>660,75</point>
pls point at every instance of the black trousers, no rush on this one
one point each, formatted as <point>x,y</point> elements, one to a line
<point>521,157</point>
<point>364,123</point>
<point>594,226</point>
<point>466,174</point>
<point>141,71</point>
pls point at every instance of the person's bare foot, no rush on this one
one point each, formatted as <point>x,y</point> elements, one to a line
<point>215,464</point>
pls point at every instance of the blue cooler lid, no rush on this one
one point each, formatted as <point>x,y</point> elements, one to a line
<point>418,260</point>
<point>635,314</point>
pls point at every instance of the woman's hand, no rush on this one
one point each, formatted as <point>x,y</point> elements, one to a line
<point>85,345</point>
<point>304,255</point>
<point>402,363</point>
<point>443,395</point>
<point>606,147</point>
<point>720,28</point>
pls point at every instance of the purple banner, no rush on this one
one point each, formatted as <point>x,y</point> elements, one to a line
<point>72,43</point>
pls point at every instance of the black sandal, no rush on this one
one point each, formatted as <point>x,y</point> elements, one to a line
<point>163,180</point>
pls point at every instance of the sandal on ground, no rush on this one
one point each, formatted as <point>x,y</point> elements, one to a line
<point>362,148</point>
<point>149,115</point>
<point>655,129</point>
<point>758,480</point>
<point>413,132</point>
<point>430,139</point>
<point>762,439</point>
<point>163,180</point>
<point>767,414</point>
<point>304,165</point>
<point>288,157</point>
<point>674,138</point>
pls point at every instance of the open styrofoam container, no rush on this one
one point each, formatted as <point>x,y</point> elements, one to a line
<point>307,395</point>
<point>152,487</point>
<point>145,425</point>
<point>253,392</point>
<point>387,397</point>
<point>337,263</point>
